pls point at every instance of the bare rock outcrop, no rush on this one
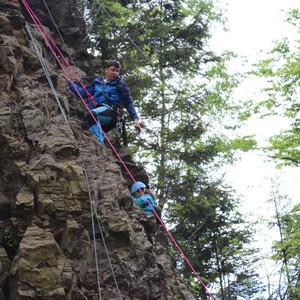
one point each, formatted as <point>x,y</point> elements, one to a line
<point>68,227</point>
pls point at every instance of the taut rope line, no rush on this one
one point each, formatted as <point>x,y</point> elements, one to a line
<point>35,19</point>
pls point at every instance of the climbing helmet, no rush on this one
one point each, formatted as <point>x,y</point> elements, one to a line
<point>136,186</point>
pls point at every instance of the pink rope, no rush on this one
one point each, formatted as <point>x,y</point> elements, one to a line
<point>44,33</point>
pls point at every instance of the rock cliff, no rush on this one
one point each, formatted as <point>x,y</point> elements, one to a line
<point>68,227</point>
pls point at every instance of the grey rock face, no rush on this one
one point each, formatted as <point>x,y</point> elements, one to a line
<point>67,222</point>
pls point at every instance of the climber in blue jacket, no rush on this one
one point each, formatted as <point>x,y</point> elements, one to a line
<point>140,196</point>
<point>107,96</point>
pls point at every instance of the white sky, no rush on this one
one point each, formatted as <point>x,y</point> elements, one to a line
<point>253,24</point>
<point>253,27</point>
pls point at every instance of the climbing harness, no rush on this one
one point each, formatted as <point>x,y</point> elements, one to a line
<point>119,110</point>
<point>39,26</point>
<point>92,207</point>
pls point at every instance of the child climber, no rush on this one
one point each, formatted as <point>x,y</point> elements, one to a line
<point>143,198</point>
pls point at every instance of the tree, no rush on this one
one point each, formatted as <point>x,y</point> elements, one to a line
<point>282,70</point>
<point>286,251</point>
<point>187,90</point>
<point>214,234</point>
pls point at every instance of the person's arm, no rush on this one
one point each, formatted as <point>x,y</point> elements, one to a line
<point>141,201</point>
<point>78,90</point>
<point>151,193</point>
<point>137,126</point>
<point>128,104</point>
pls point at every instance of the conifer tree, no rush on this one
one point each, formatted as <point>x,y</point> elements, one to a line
<point>183,88</point>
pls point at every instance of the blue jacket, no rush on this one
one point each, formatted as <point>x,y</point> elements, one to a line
<point>116,90</point>
<point>143,204</point>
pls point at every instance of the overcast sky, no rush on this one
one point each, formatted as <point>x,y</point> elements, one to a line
<point>253,27</point>
<point>253,24</point>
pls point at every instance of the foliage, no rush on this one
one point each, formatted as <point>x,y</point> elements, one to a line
<point>282,71</point>
<point>286,250</point>
<point>181,89</point>
<point>284,147</point>
<point>215,242</point>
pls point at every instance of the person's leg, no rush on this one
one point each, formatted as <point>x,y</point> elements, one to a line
<point>106,118</point>
<point>93,126</point>
<point>97,133</point>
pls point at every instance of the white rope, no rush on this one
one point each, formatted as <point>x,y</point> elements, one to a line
<point>53,21</point>
<point>94,235</point>
<point>46,72</point>
<point>94,211</point>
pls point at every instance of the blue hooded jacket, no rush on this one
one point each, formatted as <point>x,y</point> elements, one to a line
<point>116,90</point>
<point>143,204</point>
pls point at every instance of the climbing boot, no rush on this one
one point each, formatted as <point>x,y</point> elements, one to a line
<point>97,132</point>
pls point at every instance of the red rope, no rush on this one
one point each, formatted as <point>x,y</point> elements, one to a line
<point>44,33</point>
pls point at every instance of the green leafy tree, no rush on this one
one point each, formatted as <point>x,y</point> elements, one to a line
<point>214,235</point>
<point>286,251</point>
<point>183,89</point>
<point>282,71</point>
